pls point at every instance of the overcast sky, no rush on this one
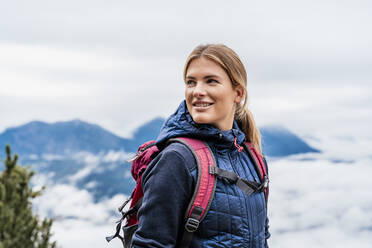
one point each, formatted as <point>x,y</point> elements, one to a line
<point>119,63</point>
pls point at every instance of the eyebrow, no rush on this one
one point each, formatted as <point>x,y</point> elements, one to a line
<point>205,77</point>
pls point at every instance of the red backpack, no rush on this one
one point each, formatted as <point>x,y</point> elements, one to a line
<point>199,205</point>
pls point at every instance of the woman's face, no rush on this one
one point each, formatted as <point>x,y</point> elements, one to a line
<point>210,97</point>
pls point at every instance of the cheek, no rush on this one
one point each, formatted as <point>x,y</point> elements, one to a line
<point>227,101</point>
<point>187,96</point>
<point>188,99</point>
<point>187,93</point>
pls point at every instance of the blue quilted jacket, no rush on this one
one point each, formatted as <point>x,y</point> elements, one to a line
<point>234,219</point>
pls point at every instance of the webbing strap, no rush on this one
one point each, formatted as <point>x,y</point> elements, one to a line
<point>192,224</point>
<point>204,190</point>
<point>206,182</point>
<point>117,233</point>
<point>260,167</point>
<point>246,186</point>
<point>125,215</point>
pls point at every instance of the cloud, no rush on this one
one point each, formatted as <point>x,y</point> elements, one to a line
<point>109,66</point>
<point>313,200</point>
<point>82,173</point>
<point>94,162</point>
<point>78,221</point>
<point>49,157</point>
<point>114,156</point>
<point>76,204</point>
<point>320,203</point>
<point>79,233</point>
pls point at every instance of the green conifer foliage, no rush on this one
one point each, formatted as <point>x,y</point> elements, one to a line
<point>19,226</point>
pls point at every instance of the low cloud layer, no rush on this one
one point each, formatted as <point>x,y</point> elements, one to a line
<point>316,203</point>
<point>78,220</point>
<point>320,204</point>
<point>316,200</point>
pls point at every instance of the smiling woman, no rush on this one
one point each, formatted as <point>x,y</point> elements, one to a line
<point>213,112</point>
<point>210,97</point>
<point>222,62</point>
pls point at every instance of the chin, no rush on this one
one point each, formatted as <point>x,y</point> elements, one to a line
<point>201,119</point>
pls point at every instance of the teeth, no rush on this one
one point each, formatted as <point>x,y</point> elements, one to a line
<point>202,104</point>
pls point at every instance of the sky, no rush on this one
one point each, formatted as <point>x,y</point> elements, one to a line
<point>119,63</point>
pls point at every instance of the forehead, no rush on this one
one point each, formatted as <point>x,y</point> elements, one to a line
<point>203,66</point>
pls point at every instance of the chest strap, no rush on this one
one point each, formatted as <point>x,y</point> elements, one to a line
<point>246,186</point>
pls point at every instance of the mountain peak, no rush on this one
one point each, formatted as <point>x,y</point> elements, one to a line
<point>37,137</point>
<point>278,141</point>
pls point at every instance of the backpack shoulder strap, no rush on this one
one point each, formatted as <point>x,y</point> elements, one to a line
<point>260,166</point>
<point>205,186</point>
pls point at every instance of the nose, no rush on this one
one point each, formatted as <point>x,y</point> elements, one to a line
<point>199,90</point>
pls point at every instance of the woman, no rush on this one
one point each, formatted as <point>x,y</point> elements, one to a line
<point>213,111</point>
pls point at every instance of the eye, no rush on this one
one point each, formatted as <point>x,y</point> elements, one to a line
<point>212,81</point>
<point>190,83</point>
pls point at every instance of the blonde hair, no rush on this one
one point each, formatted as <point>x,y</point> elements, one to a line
<point>233,66</point>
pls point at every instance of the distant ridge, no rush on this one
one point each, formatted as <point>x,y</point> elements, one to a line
<point>63,137</point>
<point>278,141</point>
<point>147,131</point>
<point>108,177</point>
<point>66,137</point>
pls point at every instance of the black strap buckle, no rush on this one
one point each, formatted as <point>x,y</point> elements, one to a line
<point>192,225</point>
<point>264,185</point>
<point>266,182</point>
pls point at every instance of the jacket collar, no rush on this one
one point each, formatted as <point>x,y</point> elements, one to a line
<point>181,124</point>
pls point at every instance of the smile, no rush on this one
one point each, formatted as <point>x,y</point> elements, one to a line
<point>202,104</point>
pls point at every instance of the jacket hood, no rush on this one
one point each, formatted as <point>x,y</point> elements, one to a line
<point>181,124</point>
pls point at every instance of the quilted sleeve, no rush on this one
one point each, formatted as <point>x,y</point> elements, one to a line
<point>168,187</point>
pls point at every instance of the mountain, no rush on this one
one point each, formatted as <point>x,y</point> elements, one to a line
<point>92,158</point>
<point>69,137</point>
<point>61,138</point>
<point>146,132</point>
<point>278,141</point>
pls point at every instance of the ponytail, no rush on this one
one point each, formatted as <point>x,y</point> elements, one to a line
<point>246,123</point>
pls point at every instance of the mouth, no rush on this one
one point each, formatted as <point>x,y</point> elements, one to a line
<point>201,105</point>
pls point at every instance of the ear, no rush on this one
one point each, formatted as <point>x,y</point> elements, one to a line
<point>239,94</point>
